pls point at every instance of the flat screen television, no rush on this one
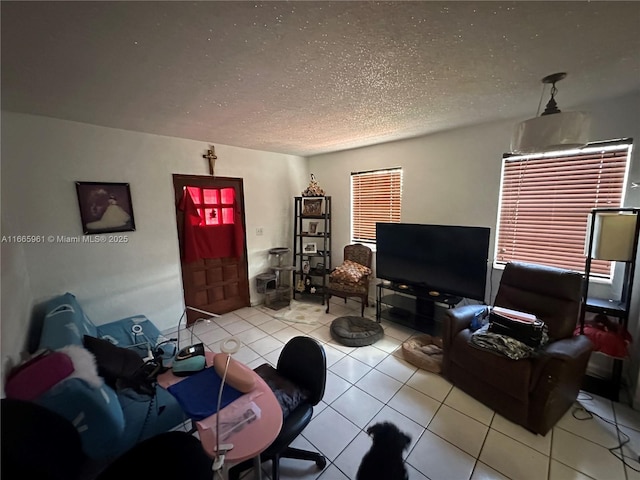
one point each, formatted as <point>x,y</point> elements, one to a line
<point>450,260</point>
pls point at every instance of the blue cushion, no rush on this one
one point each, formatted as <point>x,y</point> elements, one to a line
<point>144,419</point>
<point>65,323</point>
<point>198,394</point>
<point>95,412</point>
<point>137,330</point>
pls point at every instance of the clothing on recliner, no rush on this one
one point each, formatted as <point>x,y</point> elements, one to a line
<point>503,344</point>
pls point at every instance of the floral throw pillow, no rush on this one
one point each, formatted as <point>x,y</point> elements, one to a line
<point>349,272</point>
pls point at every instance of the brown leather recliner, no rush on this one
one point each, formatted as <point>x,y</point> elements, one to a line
<point>533,392</point>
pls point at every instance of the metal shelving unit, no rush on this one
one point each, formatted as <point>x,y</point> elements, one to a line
<point>314,278</point>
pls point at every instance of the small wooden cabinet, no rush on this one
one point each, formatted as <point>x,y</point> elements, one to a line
<point>311,247</point>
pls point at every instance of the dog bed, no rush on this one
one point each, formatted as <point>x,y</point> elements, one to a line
<point>424,351</point>
<point>356,331</point>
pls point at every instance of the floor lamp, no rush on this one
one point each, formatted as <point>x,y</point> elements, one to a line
<point>613,236</point>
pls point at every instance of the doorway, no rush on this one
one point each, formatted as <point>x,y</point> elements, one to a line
<point>213,248</point>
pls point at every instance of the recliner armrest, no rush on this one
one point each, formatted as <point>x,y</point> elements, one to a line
<point>562,360</point>
<point>568,348</point>
<point>457,319</point>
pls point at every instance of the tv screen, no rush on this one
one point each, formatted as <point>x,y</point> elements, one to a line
<point>446,259</point>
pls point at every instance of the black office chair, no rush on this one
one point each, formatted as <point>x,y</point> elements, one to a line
<point>302,363</point>
<point>39,443</point>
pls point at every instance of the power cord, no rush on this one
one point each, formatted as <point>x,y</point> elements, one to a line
<point>623,438</point>
<point>219,460</point>
<point>137,331</point>
<point>146,418</point>
<point>184,313</point>
<point>159,352</point>
<point>229,346</point>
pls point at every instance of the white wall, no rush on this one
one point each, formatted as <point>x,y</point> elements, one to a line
<point>453,178</point>
<point>450,178</point>
<point>16,299</point>
<point>41,160</point>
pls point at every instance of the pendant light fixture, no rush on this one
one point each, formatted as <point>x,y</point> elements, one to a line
<point>553,129</point>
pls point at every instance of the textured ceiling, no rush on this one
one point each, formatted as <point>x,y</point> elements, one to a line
<point>310,77</point>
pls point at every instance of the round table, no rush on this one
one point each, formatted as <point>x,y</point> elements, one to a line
<point>252,439</point>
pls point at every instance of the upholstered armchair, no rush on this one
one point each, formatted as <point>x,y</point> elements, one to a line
<point>351,278</point>
<point>534,392</point>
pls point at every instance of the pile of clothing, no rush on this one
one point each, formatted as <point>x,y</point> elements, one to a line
<point>608,337</point>
<point>511,333</point>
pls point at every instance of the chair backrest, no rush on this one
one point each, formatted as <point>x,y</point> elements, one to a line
<point>38,443</point>
<point>358,253</point>
<point>303,362</point>
<point>553,294</point>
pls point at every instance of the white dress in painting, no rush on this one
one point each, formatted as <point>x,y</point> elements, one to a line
<point>114,216</point>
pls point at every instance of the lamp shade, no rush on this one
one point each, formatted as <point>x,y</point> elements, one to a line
<point>559,131</point>
<point>613,236</point>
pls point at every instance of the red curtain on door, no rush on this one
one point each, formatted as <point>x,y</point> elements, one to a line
<point>209,241</point>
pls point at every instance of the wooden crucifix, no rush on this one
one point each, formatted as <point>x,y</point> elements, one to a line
<point>211,157</point>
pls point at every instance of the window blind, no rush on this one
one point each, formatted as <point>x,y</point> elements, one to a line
<point>376,196</point>
<point>546,200</point>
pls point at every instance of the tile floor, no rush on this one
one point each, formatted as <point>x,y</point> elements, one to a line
<point>454,437</point>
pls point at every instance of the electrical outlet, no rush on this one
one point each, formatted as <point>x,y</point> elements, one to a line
<point>259,231</point>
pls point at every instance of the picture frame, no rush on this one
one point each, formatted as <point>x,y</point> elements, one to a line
<point>306,267</point>
<point>105,207</point>
<point>312,206</point>
<point>310,248</point>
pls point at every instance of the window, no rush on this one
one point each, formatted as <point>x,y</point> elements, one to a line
<point>215,206</point>
<point>546,199</point>
<point>376,196</point>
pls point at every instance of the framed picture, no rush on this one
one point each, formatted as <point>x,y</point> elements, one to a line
<point>306,267</point>
<point>312,206</point>
<point>105,207</point>
<point>310,248</point>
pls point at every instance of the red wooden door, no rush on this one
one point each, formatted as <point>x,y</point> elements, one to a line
<point>213,252</point>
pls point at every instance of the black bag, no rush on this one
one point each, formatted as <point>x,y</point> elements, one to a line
<point>531,333</point>
<point>123,368</point>
<point>143,380</point>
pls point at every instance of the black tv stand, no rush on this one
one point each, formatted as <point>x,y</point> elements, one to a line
<point>413,306</point>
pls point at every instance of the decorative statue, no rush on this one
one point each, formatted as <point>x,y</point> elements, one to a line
<point>313,190</point>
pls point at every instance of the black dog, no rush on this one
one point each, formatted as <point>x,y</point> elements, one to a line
<point>384,460</point>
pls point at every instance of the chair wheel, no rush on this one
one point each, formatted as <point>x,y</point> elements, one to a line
<point>321,462</point>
